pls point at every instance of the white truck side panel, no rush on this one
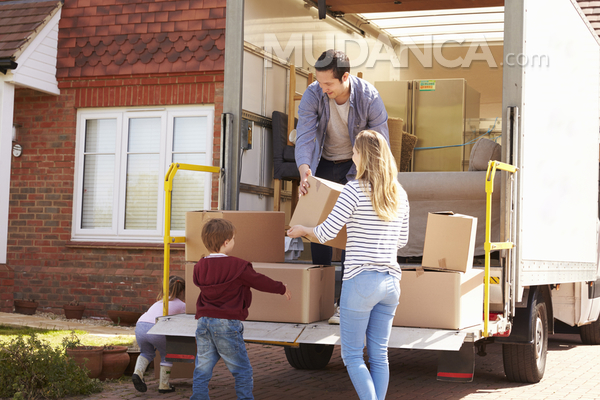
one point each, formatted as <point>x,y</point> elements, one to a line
<point>558,153</point>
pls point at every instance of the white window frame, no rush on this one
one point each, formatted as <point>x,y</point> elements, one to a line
<point>117,232</point>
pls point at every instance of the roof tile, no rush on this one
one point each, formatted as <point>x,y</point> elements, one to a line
<point>115,9</point>
<point>114,30</point>
<point>129,29</point>
<point>154,28</point>
<point>148,18</point>
<point>140,28</point>
<point>102,31</point>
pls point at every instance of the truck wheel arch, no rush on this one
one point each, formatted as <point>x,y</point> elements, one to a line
<point>522,330</point>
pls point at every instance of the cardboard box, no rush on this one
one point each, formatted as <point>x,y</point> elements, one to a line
<point>440,299</point>
<point>312,289</point>
<point>449,242</point>
<point>260,235</point>
<point>191,291</point>
<point>314,207</point>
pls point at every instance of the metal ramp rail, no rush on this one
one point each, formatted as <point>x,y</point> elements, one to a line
<point>168,239</point>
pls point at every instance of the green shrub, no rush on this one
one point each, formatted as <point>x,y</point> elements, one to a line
<point>32,369</point>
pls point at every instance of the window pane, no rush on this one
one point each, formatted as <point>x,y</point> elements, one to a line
<point>98,183</point>
<point>141,203</point>
<point>144,135</point>
<point>100,135</point>
<point>98,173</point>
<point>188,189</point>
<point>189,134</point>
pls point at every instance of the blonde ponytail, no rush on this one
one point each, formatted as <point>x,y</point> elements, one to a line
<point>376,174</point>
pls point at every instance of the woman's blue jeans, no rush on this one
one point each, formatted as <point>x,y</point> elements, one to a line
<point>367,307</point>
<point>221,338</point>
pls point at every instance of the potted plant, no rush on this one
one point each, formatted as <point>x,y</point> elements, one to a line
<point>114,362</point>
<point>87,357</point>
<point>124,318</point>
<point>74,310</point>
<point>25,306</point>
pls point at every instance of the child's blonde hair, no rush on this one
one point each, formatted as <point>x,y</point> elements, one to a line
<point>377,172</point>
<point>215,232</point>
<point>176,288</point>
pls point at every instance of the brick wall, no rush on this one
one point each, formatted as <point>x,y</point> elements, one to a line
<point>42,262</point>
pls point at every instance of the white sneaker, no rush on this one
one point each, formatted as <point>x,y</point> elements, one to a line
<point>335,318</point>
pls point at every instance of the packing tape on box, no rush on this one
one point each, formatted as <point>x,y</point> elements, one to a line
<point>442,263</point>
<point>419,271</point>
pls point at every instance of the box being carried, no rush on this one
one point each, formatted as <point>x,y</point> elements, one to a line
<point>260,235</point>
<point>314,207</point>
<point>449,241</point>
<point>440,299</point>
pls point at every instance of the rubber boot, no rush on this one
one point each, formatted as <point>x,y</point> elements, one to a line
<point>163,386</point>
<point>138,374</point>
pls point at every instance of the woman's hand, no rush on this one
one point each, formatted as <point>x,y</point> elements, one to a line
<point>300,230</point>
<point>297,231</point>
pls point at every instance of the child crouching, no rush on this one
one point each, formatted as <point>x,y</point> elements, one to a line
<point>224,299</point>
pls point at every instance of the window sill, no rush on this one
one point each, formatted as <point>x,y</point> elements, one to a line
<point>121,245</point>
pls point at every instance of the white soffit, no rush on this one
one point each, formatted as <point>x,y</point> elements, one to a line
<point>37,63</point>
<point>440,26</point>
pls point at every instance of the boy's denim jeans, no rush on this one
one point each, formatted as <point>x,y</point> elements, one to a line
<point>221,338</point>
<point>367,307</point>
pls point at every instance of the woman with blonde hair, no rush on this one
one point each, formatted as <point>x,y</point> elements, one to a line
<point>375,210</point>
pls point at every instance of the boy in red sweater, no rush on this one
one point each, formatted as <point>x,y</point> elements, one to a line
<point>223,303</point>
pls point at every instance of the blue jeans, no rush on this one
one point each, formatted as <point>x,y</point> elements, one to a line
<point>148,343</point>
<point>368,304</point>
<point>221,338</point>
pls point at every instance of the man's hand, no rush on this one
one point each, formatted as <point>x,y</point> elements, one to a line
<point>305,171</point>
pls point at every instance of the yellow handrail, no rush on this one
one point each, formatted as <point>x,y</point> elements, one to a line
<point>173,168</point>
<point>489,246</point>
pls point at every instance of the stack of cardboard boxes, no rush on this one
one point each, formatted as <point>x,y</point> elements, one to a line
<point>446,293</point>
<point>260,239</point>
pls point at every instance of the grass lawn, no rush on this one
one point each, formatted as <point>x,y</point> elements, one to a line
<point>55,337</point>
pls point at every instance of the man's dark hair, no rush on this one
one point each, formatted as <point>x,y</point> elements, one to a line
<point>335,61</point>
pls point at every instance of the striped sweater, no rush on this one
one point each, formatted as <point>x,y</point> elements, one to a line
<point>372,243</point>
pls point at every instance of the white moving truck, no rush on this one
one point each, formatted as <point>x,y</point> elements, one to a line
<point>549,208</point>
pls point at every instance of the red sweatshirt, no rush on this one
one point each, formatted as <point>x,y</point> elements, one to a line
<point>225,284</point>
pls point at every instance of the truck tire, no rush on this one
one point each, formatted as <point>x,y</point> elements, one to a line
<point>590,333</point>
<point>309,356</point>
<point>526,362</point>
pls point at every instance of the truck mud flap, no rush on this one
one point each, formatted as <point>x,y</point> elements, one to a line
<point>181,349</point>
<point>457,366</point>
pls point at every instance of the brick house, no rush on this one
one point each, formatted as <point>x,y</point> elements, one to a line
<point>138,84</point>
